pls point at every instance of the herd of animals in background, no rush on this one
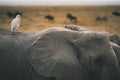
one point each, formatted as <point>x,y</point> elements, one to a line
<point>49,17</point>
<point>12,14</point>
<point>69,16</point>
<point>116,13</point>
<point>105,18</point>
<point>101,18</point>
<point>17,16</point>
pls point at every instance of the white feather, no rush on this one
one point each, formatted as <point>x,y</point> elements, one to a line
<point>15,23</point>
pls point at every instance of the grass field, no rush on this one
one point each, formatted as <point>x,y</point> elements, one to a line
<point>33,17</point>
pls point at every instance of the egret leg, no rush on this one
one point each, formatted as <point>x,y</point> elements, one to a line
<point>16,30</point>
<point>13,31</point>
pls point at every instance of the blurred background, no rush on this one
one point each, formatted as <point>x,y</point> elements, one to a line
<point>99,15</point>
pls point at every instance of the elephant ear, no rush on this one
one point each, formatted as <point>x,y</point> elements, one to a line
<point>53,55</point>
<point>116,49</point>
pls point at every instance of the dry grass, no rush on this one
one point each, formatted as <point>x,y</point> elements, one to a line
<point>86,17</point>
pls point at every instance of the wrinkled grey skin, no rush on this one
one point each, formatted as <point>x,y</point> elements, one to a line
<point>113,38</point>
<point>58,54</point>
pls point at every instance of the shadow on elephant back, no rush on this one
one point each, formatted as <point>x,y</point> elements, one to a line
<point>59,54</point>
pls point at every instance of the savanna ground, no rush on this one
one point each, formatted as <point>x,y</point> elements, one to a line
<point>33,17</point>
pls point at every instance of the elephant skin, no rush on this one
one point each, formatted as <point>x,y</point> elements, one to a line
<point>58,54</point>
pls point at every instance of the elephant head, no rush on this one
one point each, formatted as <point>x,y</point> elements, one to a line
<point>57,54</point>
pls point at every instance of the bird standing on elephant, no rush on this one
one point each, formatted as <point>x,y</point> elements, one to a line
<point>15,23</point>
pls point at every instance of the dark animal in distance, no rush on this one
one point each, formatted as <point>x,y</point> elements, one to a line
<point>71,17</point>
<point>116,13</point>
<point>49,17</point>
<point>101,18</point>
<point>59,54</point>
<point>12,14</point>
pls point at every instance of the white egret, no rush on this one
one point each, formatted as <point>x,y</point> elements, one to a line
<point>15,23</point>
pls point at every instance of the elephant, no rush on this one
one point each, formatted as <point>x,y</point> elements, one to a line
<point>58,54</point>
<point>113,38</point>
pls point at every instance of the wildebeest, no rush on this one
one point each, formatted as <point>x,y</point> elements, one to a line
<point>116,13</point>
<point>12,14</point>
<point>71,17</point>
<point>57,54</point>
<point>49,17</point>
<point>101,18</point>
